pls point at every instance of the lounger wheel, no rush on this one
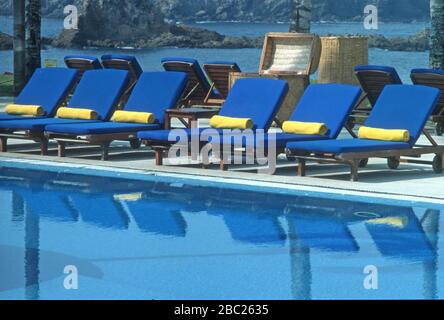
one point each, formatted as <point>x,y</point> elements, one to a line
<point>393,163</point>
<point>437,164</point>
<point>440,128</point>
<point>363,163</point>
<point>135,143</point>
<point>289,156</point>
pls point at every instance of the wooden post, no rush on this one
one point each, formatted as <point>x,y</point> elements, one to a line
<point>301,167</point>
<point>19,46</point>
<point>3,144</point>
<point>62,149</point>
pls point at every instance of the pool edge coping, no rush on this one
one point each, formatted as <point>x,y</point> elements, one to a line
<point>214,180</point>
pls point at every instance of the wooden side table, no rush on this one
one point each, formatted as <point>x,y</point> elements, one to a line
<point>188,116</point>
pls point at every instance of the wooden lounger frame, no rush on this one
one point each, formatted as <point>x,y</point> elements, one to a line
<point>35,136</point>
<point>195,94</point>
<point>359,159</point>
<point>122,64</point>
<point>372,83</point>
<point>102,140</point>
<point>82,65</point>
<point>435,81</point>
<point>220,76</point>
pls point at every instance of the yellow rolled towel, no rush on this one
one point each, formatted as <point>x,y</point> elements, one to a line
<point>133,117</point>
<point>396,135</point>
<point>24,110</point>
<point>77,113</point>
<point>309,128</point>
<point>220,122</point>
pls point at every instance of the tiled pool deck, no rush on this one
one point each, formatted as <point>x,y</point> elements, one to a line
<point>409,181</point>
<point>415,181</point>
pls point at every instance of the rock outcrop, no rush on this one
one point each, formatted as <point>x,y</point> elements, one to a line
<point>139,24</point>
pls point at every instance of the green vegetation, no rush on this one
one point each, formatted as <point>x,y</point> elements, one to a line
<point>6,85</point>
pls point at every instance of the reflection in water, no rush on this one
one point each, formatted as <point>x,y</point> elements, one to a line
<point>430,224</point>
<point>32,255</point>
<point>313,225</point>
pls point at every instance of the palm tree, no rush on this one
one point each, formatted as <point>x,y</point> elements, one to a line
<point>437,36</point>
<point>301,16</point>
<point>19,46</point>
<point>33,36</point>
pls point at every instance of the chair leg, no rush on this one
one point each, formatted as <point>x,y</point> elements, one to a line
<point>301,167</point>
<point>159,157</point>
<point>105,152</point>
<point>3,144</point>
<point>222,165</point>
<point>43,146</point>
<point>354,170</point>
<point>61,149</point>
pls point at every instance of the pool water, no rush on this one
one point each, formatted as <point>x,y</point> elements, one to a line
<point>134,239</point>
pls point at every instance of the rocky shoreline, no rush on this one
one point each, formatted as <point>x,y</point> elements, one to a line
<point>187,37</point>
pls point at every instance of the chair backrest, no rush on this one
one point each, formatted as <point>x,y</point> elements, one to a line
<point>196,76</point>
<point>373,79</point>
<point>431,78</point>
<point>258,99</point>
<point>123,62</point>
<point>219,73</point>
<point>327,103</point>
<point>156,92</point>
<point>404,107</point>
<point>100,90</point>
<point>82,63</point>
<point>48,87</point>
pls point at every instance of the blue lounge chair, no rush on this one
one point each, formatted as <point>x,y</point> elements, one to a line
<point>82,63</point>
<point>258,99</point>
<point>219,74</point>
<point>99,90</point>
<point>373,79</point>
<point>433,78</point>
<point>199,89</point>
<point>124,62</point>
<point>155,92</point>
<point>47,88</point>
<point>399,107</point>
<point>324,103</point>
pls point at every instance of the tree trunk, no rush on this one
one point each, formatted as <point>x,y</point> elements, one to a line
<point>33,36</point>
<point>19,46</point>
<point>437,36</point>
<point>301,16</point>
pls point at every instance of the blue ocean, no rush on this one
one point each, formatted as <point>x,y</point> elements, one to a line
<point>248,59</point>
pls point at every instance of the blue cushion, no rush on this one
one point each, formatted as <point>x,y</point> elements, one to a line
<point>327,103</point>
<point>134,64</point>
<point>432,71</point>
<point>282,139</point>
<point>345,146</point>
<point>255,98</point>
<point>38,125</point>
<point>195,67</point>
<point>99,128</point>
<point>157,91</point>
<point>100,90</point>
<point>404,107</point>
<point>391,70</point>
<point>89,60</point>
<point>48,87</point>
<point>5,116</point>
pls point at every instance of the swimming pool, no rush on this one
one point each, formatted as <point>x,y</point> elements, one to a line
<point>170,239</point>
